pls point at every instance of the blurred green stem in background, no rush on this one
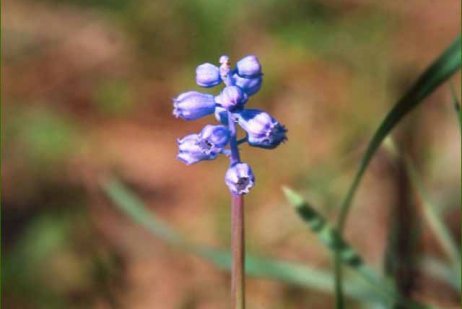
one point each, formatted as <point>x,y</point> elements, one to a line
<point>330,237</point>
<point>435,222</point>
<point>451,275</point>
<point>439,71</point>
<point>456,105</point>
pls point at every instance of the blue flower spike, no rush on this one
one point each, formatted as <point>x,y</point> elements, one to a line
<point>262,130</point>
<point>229,108</point>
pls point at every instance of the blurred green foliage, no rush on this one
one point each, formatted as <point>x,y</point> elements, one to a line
<point>57,263</point>
<point>113,98</point>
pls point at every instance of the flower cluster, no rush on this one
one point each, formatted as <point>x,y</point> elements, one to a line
<point>262,130</point>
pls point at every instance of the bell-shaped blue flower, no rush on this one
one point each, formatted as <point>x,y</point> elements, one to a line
<point>217,137</point>
<point>190,150</point>
<point>249,67</point>
<point>239,178</point>
<point>262,130</point>
<point>232,98</point>
<point>193,105</point>
<point>204,146</point>
<point>249,85</point>
<point>208,75</point>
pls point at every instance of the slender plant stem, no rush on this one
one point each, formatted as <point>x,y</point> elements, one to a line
<point>238,251</point>
<point>339,301</point>
<point>456,104</point>
<point>341,220</point>
<point>233,144</point>
<point>237,230</point>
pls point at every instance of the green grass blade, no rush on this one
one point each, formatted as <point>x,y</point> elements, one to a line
<point>288,272</point>
<point>440,70</point>
<point>456,104</point>
<point>326,234</point>
<point>449,274</point>
<point>435,223</point>
<point>133,207</point>
<point>332,239</point>
<point>439,270</point>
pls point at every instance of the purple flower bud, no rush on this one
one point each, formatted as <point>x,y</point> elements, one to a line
<point>208,75</point>
<point>215,136</point>
<point>191,150</point>
<point>249,66</point>
<point>232,98</point>
<point>239,178</point>
<point>262,129</point>
<point>248,85</point>
<point>204,146</point>
<point>224,59</point>
<point>192,105</point>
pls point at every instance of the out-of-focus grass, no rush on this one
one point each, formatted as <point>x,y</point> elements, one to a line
<point>114,97</point>
<point>57,263</point>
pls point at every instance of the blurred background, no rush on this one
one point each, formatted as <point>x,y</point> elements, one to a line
<point>86,95</point>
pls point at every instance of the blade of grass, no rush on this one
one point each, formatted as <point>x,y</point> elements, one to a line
<point>441,271</point>
<point>435,222</point>
<point>456,105</point>
<point>440,70</point>
<point>332,239</point>
<point>288,272</point>
<point>438,269</point>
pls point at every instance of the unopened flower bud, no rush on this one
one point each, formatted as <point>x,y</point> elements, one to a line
<point>207,75</point>
<point>249,67</point>
<point>263,130</point>
<point>239,178</point>
<point>192,105</point>
<point>249,85</point>
<point>191,151</point>
<point>204,146</point>
<point>232,98</point>
<point>217,137</point>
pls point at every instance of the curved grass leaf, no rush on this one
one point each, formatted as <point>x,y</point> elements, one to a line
<point>288,272</point>
<point>440,70</point>
<point>436,223</point>
<point>332,239</point>
<point>456,104</point>
<point>439,270</point>
<point>328,235</point>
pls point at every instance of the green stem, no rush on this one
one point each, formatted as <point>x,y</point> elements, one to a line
<point>435,223</point>
<point>339,300</point>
